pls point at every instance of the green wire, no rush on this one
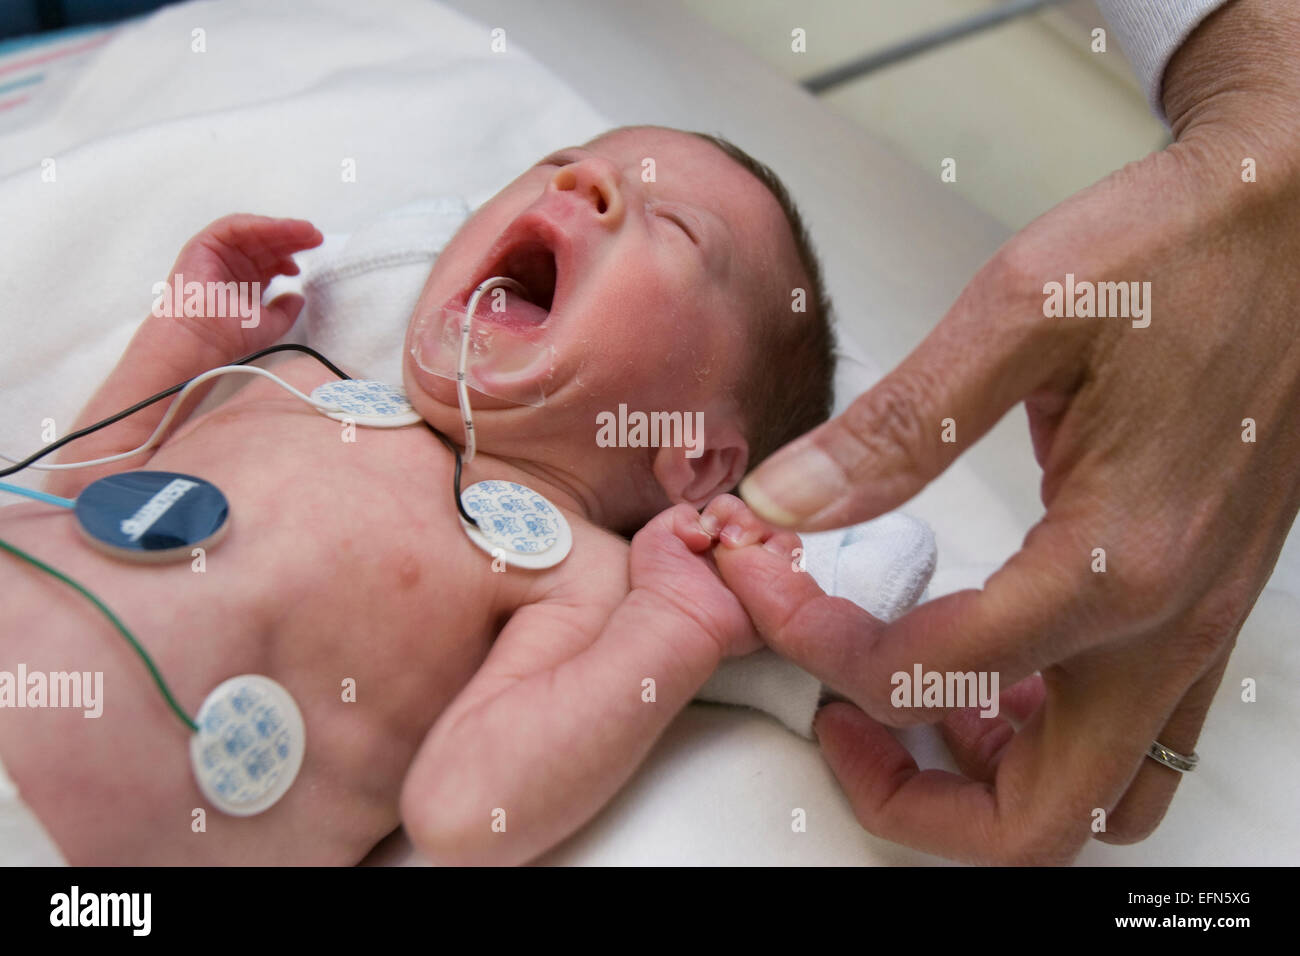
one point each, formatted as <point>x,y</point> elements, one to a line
<point>144,656</point>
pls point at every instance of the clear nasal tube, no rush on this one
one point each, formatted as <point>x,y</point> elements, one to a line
<point>495,361</point>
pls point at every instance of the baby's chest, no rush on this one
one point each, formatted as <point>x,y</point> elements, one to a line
<point>327,504</point>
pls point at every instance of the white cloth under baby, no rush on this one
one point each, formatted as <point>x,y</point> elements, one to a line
<point>23,839</point>
<point>361,290</point>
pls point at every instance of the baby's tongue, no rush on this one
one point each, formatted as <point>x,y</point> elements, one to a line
<point>517,308</point>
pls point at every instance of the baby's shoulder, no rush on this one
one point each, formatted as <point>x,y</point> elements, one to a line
<point>594,571</point>
<point>597,551</point>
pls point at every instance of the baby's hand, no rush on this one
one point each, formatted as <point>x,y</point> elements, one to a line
<point>793,616</point>
<point>670,558</point>
<point>249,251</point>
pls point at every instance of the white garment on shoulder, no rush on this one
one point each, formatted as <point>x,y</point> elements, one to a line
<point>1150,31</point>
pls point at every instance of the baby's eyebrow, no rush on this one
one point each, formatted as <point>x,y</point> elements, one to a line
<point>559,154</point>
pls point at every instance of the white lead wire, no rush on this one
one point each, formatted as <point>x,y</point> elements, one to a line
<point>462,389</point>
<point>175,406</point>
<point>462,364</point>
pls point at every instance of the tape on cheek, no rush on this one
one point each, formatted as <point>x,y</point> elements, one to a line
<point>501,364</point>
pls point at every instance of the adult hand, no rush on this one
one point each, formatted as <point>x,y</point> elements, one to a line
<point>1142,437</point>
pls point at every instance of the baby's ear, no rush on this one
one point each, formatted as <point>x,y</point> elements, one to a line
<point>709,462</point>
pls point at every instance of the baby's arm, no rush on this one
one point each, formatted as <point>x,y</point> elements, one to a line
<point>169,349</point>
<point>558,717</point>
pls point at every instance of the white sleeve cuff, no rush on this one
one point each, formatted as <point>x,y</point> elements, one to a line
<point>1149,32</point>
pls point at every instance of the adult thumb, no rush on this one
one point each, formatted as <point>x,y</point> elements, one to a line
<point>980,361</point>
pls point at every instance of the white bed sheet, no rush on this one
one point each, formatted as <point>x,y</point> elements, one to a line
<point>287,90</point>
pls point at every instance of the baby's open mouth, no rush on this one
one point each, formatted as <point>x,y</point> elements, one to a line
<point>511,348</point>
<point>528,259</point>
<point>531,264</point>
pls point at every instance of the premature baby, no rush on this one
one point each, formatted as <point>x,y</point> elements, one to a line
<point>494,713</point>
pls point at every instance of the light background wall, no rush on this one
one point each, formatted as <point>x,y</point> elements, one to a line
<point>1028,111</point>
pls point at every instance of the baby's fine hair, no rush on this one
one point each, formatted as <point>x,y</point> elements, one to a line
<point>787,387</point>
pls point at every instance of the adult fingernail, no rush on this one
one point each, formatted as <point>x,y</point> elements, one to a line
<point>793,484</point>
<point>710,524</point>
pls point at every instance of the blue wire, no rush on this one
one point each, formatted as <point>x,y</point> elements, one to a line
<point>38,495</point>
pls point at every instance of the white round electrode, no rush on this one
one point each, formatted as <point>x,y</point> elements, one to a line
<point>367,403</point>
<point>516,524</point>
<point>249,745</point>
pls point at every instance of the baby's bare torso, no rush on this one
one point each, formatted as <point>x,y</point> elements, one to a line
<point>344,560</point>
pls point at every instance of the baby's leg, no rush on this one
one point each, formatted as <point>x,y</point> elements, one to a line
<point>170,348</point>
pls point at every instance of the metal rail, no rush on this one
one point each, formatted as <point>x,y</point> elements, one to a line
<point>847,72</point>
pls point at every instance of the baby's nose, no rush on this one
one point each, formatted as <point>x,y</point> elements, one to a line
<point>595,180</point>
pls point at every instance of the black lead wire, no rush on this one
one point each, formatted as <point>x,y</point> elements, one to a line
<point>114,419</point>
<point>455,479</point>
<point>246,360</point>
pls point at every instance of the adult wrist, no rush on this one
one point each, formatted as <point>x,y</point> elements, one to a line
<point>1238,74</point>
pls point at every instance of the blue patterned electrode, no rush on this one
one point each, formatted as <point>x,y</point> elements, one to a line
<point>516,524</point>
<point>368,403</point>
<point>249,745</point>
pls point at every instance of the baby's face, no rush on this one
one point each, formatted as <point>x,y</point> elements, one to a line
<point>646,255</point>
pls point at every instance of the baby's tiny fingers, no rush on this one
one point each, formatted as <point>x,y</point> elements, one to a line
<point>684,523</point>
<point>291,235</point>
<point>740,526</point>
<point>785,543</point>
<point>271,232</point>
<point>257,246</point>
<point>286,308</point>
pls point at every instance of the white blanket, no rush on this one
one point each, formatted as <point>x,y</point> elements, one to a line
<point>155,140</point>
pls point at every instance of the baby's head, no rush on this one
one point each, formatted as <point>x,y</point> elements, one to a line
<point>666,271</point>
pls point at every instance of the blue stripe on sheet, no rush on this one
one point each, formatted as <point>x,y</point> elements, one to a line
<point>49,38</point>
<point>19,84</point>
